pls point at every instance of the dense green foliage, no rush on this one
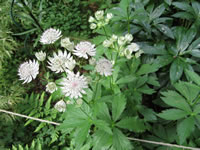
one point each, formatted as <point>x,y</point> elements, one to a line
<point>153,92</point>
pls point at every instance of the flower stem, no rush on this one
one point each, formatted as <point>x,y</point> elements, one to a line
<point>105,32</point>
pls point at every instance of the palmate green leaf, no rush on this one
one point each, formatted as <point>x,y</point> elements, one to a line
<point>185,128</point>
<point>102,125</point>
<point>146,90</point>
<point>196,109</point>
<point>174,99</point>
<point>193,76</point>
<point>173,114</point>
<point>132,123</point>
<point>153,81</point>
<point>81,134</point>
<point>124,5</point>
<point>126,79</point>
<point>102,140</point>
<point>118,106</point>
<point>102,111</point>
<point>120,141</point>
<point>147,68</point>
<point>74,117</point>
<point>176,70</point>
<point>188,90</point>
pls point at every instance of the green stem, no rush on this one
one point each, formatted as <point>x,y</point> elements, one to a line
<point>82,110</point>
<point>105,33</point>
<point>94,95</point>
<point>128,17</point>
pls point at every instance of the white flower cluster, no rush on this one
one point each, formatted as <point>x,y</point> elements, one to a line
<point>61,62</point>
<point>28,71</point>
<point>60,106</point>
<point>104,67</point>
<point>51,87</point>
<point>84,49</point>
<point>121,41</point>
<point>66,43</point>
<point>123,45</point>
<point>74,85</point>
<point>41,56</point>
<point>50,36</point>
<point>99,20</point>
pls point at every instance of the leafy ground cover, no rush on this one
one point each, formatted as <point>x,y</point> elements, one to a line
<point>105,71</point>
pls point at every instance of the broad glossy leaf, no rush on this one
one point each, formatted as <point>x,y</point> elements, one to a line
<point>183,6</point>
<point>176,70</point>
<point>165,30</point>
<point>157,12</point>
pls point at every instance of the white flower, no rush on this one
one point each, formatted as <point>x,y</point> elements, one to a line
<point>51,87</point>
<point>104,67</point>
<point>128,37</point>
<point>121,40</point>
<point>41,56</point>
<point>60,106</point>
<point>66,43</point>
<point>83,49</point>
<point>99,14</point>
<point>61,62</point>
<point>79,102</point>
<point>133,47</point>
<point>93,26</point>
<point>109,16</point>
<point>107,43</point>
<point>50,36</point>
<point>92,61</point>
<point>113,38</point>
<point>138,54</point>
<point>74,85</point>
<point>28,71</point>
<point>91,19</point>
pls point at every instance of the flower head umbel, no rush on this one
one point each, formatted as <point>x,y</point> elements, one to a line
<point>100,19</point>
<point>28,71</point>
<point>66,43</point>
<point>74,85</point>
<point>61,62</point>
<point>51,87</point>
<point>50,36</point>
<point>104,67</point>
<point>60,106</point>
<point>41,56</point>
<point>133,47</point>
<point>85,49</point>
